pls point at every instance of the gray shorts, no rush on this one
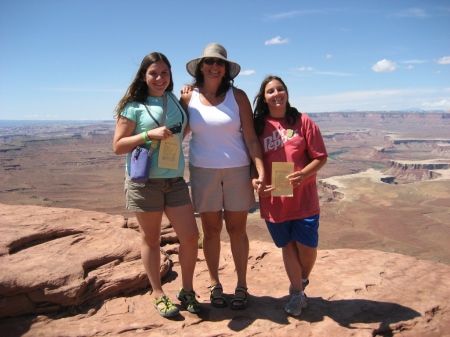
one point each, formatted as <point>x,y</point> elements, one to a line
<point>155,194</point>
<point>216,189</point>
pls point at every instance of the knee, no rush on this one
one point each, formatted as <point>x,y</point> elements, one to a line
<point>211,231</point>
<point>151,242</point>
<point>190,238</point>
<point>237,230</point>
<point>306,250</point>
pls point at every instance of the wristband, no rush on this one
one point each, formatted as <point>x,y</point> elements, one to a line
<point>144,138</point>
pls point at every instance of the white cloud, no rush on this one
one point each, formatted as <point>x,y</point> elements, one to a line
<point>329,56</point>
<point>276,40</point>
<point>306,68</point>
<point>411,13</point>
<point>246,72</point>
<point>373,100</point>
<point>292,14</point>
<point>413,61</point>
<point>333,73</point>
<point>441,104</point>
<point>409,67</point>
<point>444,60</point>
<point>384,66</point>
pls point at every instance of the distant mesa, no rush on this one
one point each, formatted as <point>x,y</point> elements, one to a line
<point>328,192</point>
<point>412,171</point>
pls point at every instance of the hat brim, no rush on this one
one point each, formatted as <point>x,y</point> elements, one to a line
<point>191,66</point>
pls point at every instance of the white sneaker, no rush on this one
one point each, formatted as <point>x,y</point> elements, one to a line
<point>296,304</point>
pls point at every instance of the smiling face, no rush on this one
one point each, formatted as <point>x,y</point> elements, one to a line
<point>157,78</point>
<point>275,96</point>
<point>213,68</point>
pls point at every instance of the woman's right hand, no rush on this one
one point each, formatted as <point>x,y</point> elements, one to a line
<point>160,133</point>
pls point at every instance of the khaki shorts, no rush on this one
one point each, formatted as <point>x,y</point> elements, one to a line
<point>155,194</point>
<point>216,189</point>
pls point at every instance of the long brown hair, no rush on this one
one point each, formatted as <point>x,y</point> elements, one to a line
<point>261,109</point>
<point>138,89</point>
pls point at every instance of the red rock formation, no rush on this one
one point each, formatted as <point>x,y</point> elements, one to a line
<point>56,259</point>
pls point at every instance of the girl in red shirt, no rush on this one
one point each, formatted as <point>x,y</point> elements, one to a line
<point>286,135</point>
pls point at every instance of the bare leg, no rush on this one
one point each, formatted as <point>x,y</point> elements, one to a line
<point>307,257</point>
<point>183,221</point>
<point>150,225</point>
<point>292,265</point>
<point>212,228</point>
<point>236,223</point>
<point>299,260</point>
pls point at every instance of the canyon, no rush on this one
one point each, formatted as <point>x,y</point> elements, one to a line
<point>385,201</point>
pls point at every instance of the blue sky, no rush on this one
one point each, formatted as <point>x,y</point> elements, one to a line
<point>74,59</point>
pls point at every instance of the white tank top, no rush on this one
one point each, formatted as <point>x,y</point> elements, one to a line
<point>217,140</point>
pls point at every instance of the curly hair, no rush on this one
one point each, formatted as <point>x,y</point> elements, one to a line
<point>138,89</point>
<point>261,110</point>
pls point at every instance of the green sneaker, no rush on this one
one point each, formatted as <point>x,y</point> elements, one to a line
<point>165,307</point>
<point>189,301</point>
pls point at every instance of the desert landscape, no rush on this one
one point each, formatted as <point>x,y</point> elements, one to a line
<point>384,255</point>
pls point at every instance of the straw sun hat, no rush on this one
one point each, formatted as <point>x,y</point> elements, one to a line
<point>213,50</point>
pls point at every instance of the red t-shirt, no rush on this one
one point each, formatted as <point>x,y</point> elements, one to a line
<point>305,144</point>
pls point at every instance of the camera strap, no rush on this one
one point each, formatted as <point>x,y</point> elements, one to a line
<point>155,144</point>
<point>163,117</point>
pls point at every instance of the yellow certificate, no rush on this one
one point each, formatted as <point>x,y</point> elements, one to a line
<point>169,153</point>
<point>280,170</point>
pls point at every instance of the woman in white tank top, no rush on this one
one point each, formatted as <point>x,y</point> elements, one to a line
<point>222,146</point>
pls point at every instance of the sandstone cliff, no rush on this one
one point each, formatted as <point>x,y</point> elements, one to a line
<point>418,170</point>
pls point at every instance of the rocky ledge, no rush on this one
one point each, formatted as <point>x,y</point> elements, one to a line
<point>67,272</point>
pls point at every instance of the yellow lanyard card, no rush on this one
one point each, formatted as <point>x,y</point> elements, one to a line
<point>169,153</point>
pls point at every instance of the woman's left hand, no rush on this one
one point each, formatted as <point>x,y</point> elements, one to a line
<point>296,178</point>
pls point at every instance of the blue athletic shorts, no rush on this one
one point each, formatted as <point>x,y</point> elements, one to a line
<point>305,231</point>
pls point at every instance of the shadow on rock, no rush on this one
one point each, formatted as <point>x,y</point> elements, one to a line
<point>346,313</point>
<point>259,308</point>
<point>357,311</point>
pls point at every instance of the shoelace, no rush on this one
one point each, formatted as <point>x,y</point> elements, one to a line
<point>167,304</point>
<point>189,298</point>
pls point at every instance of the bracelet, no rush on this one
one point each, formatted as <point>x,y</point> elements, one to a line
<point>144,138</point>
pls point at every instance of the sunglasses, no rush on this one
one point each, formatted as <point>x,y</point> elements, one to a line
<point>210,62</point>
